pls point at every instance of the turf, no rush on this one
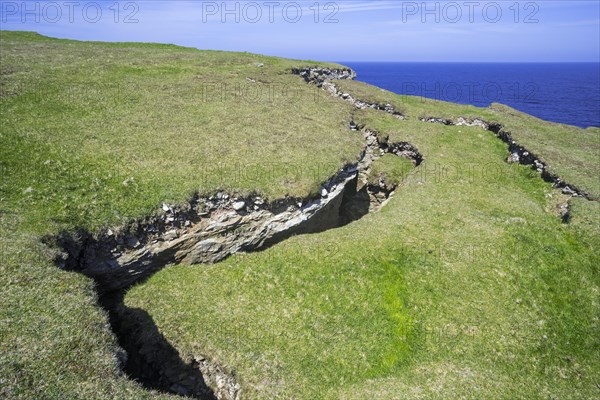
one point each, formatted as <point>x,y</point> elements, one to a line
<point>390,169</point>
<point>570,152</point>
<point>464,285</point>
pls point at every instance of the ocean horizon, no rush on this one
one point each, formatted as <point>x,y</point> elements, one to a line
<point>563,92</point>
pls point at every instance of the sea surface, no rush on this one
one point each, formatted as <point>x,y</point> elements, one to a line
<point>568,93</point>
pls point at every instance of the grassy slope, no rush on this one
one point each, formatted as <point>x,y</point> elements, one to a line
<point>570,152</point>
<point>96,133</point>
<point>391,169</point>
<point>463,286</point>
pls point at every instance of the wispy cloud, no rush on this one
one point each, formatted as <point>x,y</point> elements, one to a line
<point>345,29</point>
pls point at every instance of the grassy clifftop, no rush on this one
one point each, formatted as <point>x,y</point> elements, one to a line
<point>466,285</point>
<point>571,152</point>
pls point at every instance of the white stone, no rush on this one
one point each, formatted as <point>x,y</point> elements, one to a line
<point>239,205</point>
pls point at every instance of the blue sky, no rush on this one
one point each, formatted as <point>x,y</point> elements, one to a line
<point>343,30</point>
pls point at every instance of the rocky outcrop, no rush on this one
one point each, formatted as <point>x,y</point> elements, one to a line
<point>388,108</point>
<point>318,75</point>
<point>406,150</point>
<point>224,385</point>
<point>206,230</point>
<point>322,77</point>
<point>365,196</point>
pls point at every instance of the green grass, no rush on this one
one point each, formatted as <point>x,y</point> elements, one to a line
<point>97,134</point>
<point>448,292</point>
<point>570,152</point>
<point>126,126</point>
<point>391,169</point>
<point>462,286</point>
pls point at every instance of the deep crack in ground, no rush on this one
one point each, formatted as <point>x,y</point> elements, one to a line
<point>208,230</point>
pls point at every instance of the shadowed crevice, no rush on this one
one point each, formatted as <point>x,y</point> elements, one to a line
<point>150,359</point>
<point>207,230</point>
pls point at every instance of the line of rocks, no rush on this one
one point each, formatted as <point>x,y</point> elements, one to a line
<point>382,192</point>
<point>406,150</point>
<point>376,148</point>
<point>376,195</point>
<point>318,75</point>
<point>321,77</point>
<point>388,108</point>
<point>224,385</point>
<point>205,230</point>
<point>517,153</point>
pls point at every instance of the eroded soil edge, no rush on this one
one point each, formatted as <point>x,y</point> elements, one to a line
<point>322,77</point>
<point>207,230</point>
<point>210,229</point>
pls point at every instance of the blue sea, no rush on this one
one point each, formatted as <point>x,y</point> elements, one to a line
<point>568,93</point>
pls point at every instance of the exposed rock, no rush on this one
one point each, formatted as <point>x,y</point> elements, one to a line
<point>239,205</point>
<point>209,237</point>
<point>406,150</point>
<point>132,241</point>
<point>227,388</point>
<point>170,235</point>
<point>319,75</point>
<point>322,81</point>
<point>213,231</point>
<point>438,121</point>
<point>472,122</point>
<point>517,153</point>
